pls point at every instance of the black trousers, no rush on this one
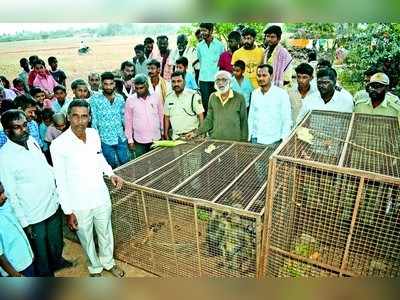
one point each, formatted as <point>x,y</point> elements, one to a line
<point>206,89</point>
<point>47,244</point>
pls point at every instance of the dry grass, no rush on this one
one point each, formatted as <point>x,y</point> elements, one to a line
<point>107,54</point>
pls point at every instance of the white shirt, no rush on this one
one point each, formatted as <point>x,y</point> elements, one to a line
<point>270,117</point>
<point>28,181</point>
<point>79,169</point>
<point>190,54</point>
<point>341,102</point>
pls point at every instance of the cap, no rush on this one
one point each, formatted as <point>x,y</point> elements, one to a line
<point>381,78</point>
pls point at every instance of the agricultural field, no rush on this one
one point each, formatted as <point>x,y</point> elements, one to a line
<point>106,54</point>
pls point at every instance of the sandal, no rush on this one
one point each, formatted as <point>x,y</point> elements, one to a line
<point>117,271</point>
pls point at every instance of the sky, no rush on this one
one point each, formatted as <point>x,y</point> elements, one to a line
<point>10,28</point>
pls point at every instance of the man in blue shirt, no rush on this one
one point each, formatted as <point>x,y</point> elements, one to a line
<point>16,255</point>
<point>108,118</point>
<point>208,52</point>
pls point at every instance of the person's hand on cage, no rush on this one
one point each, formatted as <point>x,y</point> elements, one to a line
<point>117,181</point>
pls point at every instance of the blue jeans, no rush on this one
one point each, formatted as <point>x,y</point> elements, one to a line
<point>116,155</point>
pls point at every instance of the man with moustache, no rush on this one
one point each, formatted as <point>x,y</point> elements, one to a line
<point>328,98</point>
<point>163,55</point>
<point>108,118</point>
<point>30,187</point>
<point>380,102</point>
<point>299,91</point>
<point>227,113</point>
<point>143,117</point>
<point>250,54</point>
<point>269,115</point>
<point>277,56</point>
<point>79,167</point>
<point>183,109</point>
<point>128,72</point>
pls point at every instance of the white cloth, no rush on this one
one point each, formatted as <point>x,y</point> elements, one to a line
<point>28,181</point>
<point>79,169</point>
<point>190,54</point>
<point>100,219</point>
<point>270,117</point>
<point>341,102</point>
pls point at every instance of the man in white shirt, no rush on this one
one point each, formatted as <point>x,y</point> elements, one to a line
<point>31,190</point>
<point>79,166</point>
<point>329,97</point>
<point>270,118</point>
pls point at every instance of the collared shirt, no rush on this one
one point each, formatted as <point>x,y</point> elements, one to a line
<point>33,129</point>
<point>108,118</point>
<point>166,70</point>
<point>226,120</point>
<point>56,107</point>
<point>296,99</point>
<point>270,118</point>
<point>162,89</point>
<point>183,111</point>
<point>208,56</point>
<point>141,68</point>
<point>340,102</point>
<point>189,53</point>
<point>143,118</point>
<point>28,181</point>
<point>224,101</point>
<point>79,167</point>
<point>245,88</point>
<point>389,107</point>
<point>252,58</point>
<point>14,244</point>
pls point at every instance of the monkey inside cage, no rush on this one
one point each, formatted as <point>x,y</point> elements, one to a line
<point>194,210</point>
<point>333,201</point>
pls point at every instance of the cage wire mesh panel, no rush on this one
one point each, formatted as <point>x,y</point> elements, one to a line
<point>326,216</point>
<point>186,212</point>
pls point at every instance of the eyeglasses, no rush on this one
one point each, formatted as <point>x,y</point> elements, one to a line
<point>222,80</point>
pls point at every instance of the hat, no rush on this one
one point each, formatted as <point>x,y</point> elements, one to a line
<point>381,78</point>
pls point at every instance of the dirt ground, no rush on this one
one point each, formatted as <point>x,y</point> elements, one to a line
<point>74,252</point>
<point>107,54</point>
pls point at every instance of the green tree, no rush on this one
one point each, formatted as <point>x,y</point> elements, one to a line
<point>376,44</point>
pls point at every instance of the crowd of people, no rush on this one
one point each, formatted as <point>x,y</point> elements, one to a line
<point>55,148</point>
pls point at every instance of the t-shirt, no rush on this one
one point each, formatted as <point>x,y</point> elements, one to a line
<point>59,76</point>
<point>252,58</point>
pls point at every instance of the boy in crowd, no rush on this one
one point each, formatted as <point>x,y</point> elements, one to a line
<point>241,84</point>
<point>182,66</point>
<point>40,97</point>
<point>61,103</point>
<point>80,89</point>
<point>59,75</point>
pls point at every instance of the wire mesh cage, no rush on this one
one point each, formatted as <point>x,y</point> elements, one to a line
<point>333,205</point>
<point>195,210</point>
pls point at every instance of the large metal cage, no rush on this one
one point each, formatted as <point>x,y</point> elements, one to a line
<point>333,205</point>
<point>194,210</point>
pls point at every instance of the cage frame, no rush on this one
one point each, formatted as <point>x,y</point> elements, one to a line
<point>199,202</point>
<point>340,168</point>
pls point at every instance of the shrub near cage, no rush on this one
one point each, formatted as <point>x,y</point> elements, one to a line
<point>195,210</point>
<point>333,205</point>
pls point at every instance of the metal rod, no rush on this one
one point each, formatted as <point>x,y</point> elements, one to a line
<point>346,145</point>
<point>199,171</point>
<point>170,162</point>
<point>352,225</point>
<point>147,229</point>
<point>171,227</point>
<point>239,176</point>
<point>197,238</point>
